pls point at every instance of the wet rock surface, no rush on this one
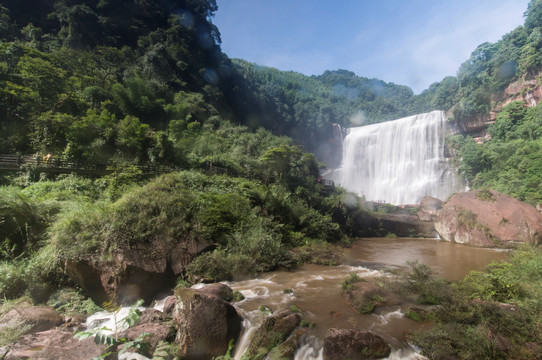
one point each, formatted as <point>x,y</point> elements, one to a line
<point>364,296</point>
<point>343,344</point>
<point>36,318</point>
<point>487,218</point>
<point>156,324</point>
<point>219,290</point>
<point>53,345</point>
<point>205,324</point>
<point>273,332</point>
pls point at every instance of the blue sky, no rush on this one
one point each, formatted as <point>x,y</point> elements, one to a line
<point>408,42</point>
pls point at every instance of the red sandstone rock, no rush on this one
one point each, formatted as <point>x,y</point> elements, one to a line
<point>340,344</point>
<point>38,318</point>
<point>430,205</point>
<point>489,219</point>
<point>205,323</point>
<point>218,289</point>
<point>153,322</point>
<point>53,345</point>
<point>141,271</point>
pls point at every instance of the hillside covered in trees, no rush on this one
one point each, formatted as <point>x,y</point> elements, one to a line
<point>124,84</point>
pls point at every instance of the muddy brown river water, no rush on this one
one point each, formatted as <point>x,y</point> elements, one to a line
<point>316,290</point>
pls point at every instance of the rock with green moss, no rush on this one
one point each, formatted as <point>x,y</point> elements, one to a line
<point>363,296</point>
<point>272,333</point>
<point>220,290</point>
<point>205,324</point>
<point>286,350</point>
<point>340,344</point>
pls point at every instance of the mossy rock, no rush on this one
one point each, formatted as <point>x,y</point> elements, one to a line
<point>272,333</point>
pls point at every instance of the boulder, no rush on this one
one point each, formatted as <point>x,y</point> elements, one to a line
<point>36,318</point>
<point>273,332</point>
<point>154,322</point>
<point>205,324</point>
<point>220,290</point>
<point>140,271</point>
<point>487,218</point>
<point>53,345</point>
<point>169,305</point>
<point>342,344</point>
<point>288,348</point>
<point>429,207</point>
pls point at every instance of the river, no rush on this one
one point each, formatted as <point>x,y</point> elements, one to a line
<point>316,290</point>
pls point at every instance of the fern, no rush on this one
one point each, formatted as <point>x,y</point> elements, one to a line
<point>112,341</point>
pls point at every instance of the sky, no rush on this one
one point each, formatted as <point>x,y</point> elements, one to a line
<point>407,42</point>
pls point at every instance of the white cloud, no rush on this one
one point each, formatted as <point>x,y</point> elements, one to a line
<point>431,43</point>
<point>425,55</point>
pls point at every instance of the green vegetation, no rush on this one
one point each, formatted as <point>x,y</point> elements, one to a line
<point>510,162</point>
<point>120,85</point>
<point>113,341</point>
<point>14,330</point>
<point>348,283</point>
<point>491,314</point>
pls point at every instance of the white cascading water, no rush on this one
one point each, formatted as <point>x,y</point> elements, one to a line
<point>398,162</point>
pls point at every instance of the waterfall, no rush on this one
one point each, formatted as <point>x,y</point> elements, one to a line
<point>398,161</point>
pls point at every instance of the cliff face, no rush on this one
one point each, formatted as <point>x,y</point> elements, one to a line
<point>487,218</point>
<point>527,91</point>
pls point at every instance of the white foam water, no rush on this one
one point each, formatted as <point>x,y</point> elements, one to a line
<point>251,321</point>
<point>112,322</point>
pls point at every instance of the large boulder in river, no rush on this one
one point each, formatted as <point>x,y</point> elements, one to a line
<point>220,290</point>
<point>343,344</point>
<point>489,219</point>
<point>140,271</point>
<point>205,323</point>
<point>272,333</point>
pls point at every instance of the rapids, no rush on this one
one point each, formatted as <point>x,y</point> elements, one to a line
<point>316,291</point>
<point>398,162</point>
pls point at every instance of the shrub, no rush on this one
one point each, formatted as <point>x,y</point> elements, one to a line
<point>22,223</point>
<point>219,265</point>
<point>348,283</point>
<point>477,320</point>
<point>70,301</point>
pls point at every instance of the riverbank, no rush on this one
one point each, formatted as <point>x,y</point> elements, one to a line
<point>316,290</point>
<point>500,303</point>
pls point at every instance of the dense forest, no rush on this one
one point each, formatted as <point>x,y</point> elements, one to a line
<point>152,87</point>
<point>124,84</point>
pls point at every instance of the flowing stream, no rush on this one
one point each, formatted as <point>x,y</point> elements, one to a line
<point>316,291</point>
<point>398,162</point>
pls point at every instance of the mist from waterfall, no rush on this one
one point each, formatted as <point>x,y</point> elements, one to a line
<point>398,161</point>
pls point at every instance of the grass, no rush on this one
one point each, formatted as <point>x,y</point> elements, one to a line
<point>491,314</point>
<point>12,331</point>
<point>348,283</point>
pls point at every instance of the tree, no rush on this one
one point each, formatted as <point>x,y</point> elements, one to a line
<point>533,15</point>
